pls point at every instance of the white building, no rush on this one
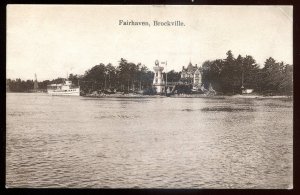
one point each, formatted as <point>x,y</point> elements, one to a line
<point>192,75</point>
<point>158,81</point>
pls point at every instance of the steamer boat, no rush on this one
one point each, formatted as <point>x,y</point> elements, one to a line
<point>66,88</point>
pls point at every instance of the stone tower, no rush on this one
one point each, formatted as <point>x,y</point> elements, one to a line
<point>36,86</point>
<point>158,81</point>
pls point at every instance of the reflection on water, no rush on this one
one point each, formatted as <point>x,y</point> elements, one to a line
<point>148,143</point>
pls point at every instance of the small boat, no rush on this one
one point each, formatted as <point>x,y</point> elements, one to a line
<point>66,88</point>
<point>246,91</point>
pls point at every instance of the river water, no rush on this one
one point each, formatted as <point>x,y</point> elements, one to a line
<point>78,142</point>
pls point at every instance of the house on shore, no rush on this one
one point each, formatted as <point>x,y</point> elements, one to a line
<point>192,75</point>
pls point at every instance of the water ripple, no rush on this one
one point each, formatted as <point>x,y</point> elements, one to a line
<point>153,143</point>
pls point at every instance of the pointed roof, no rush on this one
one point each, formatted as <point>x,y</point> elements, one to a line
<point>197,71</point>
<point>190,67</point>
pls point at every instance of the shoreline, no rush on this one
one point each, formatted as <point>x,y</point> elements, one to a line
<point>191,96</point>
<point>238,96</point>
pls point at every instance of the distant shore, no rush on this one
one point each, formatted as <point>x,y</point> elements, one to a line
<point>131,95</point>
<point>190,96</point>
<point>233,96</point>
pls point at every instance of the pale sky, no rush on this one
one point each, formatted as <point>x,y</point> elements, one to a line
<point>53,40</point>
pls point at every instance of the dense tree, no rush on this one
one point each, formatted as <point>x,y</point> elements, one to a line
<point>211,71</point>
<point>277,78</point>
<point>57,81</point>
<point>183,88</point>
<point>286,86</point>
<point>230,76</point>
<point>19,85</point>
<point>272,75</point>
<point>111,76</point>
<point>127,76</point>
<point>43,84</point>
<point>146,77</point>
<point>74,79</point>
<point>93,79</point>
<point>250,73</point>
<point>173,76</point>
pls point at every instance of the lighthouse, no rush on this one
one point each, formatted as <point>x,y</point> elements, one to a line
<point>158,81</point>
<point>35,86</point>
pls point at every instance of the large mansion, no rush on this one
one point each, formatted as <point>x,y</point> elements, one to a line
<point>192,74</point>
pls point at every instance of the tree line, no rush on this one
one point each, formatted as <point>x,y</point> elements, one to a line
<point>18,85</point>
<point>125,77</point>
<point>226,76</point>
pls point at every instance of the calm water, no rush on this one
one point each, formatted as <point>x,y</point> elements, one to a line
<point>148,142</point>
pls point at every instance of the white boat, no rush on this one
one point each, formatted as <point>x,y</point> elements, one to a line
<point>247,91</point>
<point>65,88</point>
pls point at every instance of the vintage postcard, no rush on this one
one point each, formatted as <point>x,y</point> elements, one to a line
<point>149,96</point>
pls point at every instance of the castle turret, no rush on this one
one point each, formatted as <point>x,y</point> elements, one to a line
<point>158,81</point>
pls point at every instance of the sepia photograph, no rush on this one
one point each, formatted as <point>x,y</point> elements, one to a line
<point>149,96</point>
